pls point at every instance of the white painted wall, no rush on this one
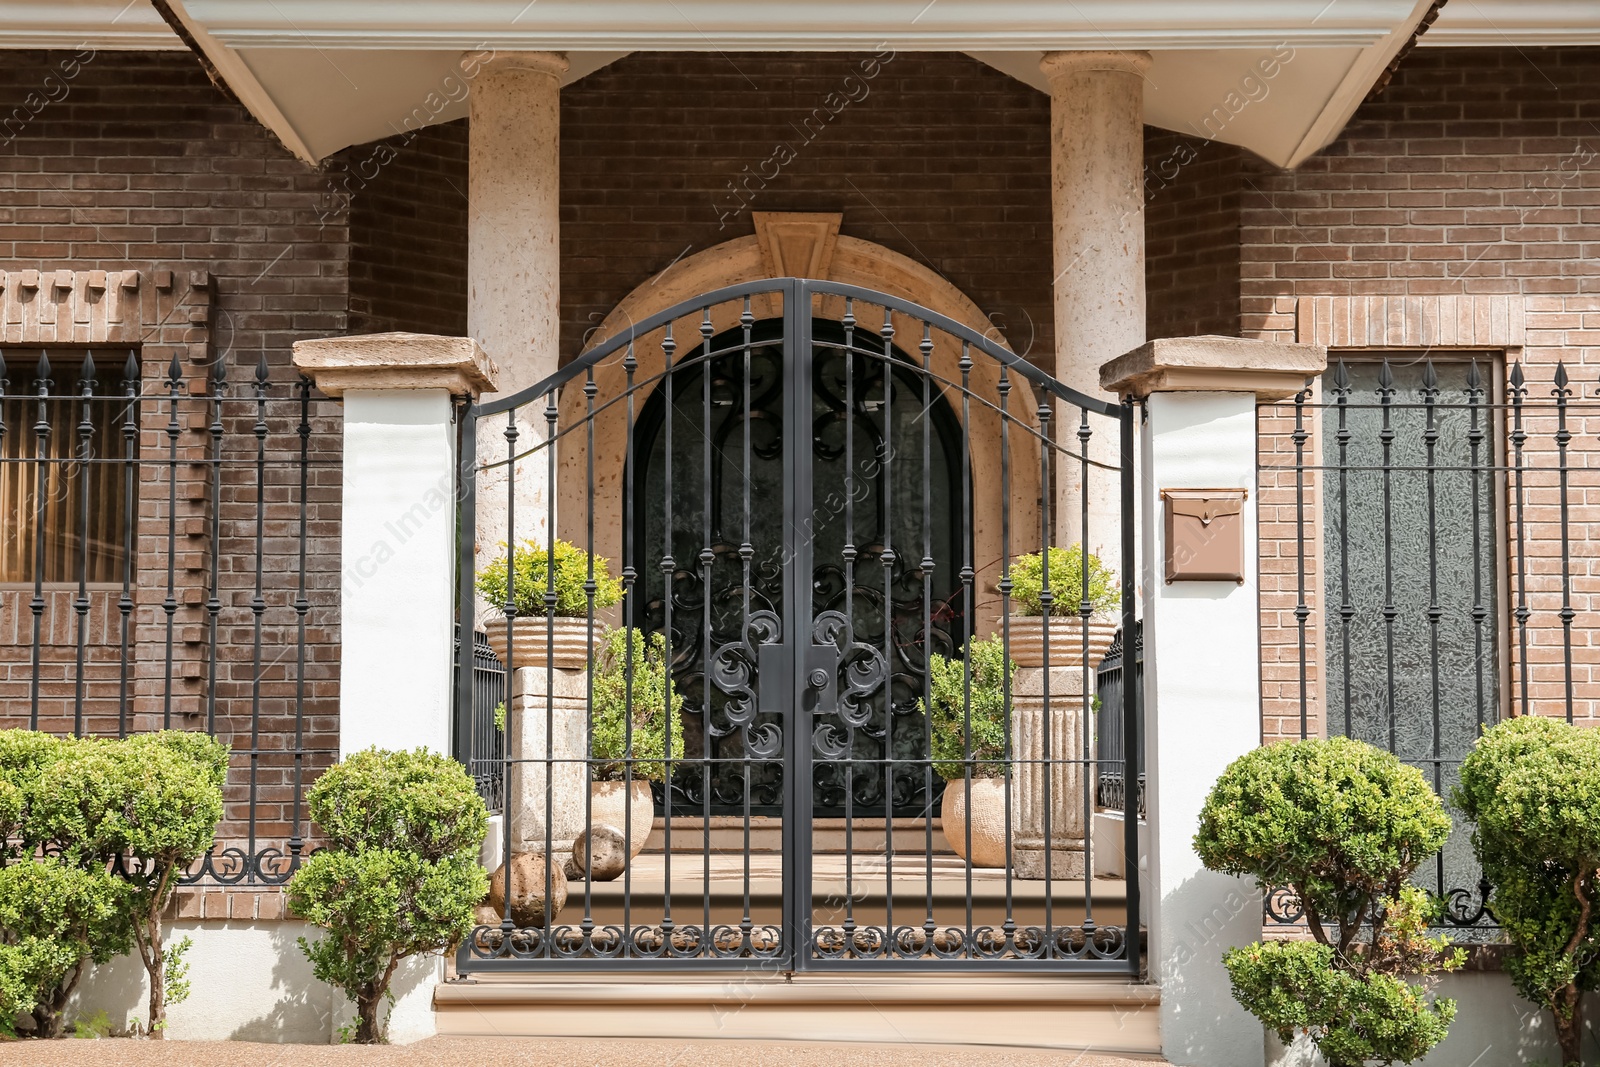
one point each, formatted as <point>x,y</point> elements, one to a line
<point>1202,710</point>
<point>397,559</point>
<point>250,982</point>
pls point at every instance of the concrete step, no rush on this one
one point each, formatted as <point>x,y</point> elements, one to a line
<point>1028,1011</point>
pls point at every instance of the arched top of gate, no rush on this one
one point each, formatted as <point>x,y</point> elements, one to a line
<point>797,293</point>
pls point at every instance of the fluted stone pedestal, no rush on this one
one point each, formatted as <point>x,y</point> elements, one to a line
<point>549,717</point>
<point>1054,788</point>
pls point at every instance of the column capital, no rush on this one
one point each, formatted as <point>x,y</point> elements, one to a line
<point>1271,370</point>
<point>553,64</point>
<point>1060,65</point>
<point>396,361</point>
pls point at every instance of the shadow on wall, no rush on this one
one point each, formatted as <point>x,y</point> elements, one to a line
<point>229,998</point>
<point>1493,1027</point>
<point>304,1007</point>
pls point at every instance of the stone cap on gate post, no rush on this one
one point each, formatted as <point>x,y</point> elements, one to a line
<point>1272,370</point>
<point>396,361</point>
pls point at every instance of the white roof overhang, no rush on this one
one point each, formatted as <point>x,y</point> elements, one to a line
<point>1278,77</point>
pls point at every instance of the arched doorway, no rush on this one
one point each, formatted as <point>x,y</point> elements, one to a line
<point>880,491</point>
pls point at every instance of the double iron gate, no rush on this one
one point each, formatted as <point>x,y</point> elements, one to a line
<point>786,514</point>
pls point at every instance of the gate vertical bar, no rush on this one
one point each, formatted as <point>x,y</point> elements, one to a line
<point>1132,700</point>
<point>797,597</point>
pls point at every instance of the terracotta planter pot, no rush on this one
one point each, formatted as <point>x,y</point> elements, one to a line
<point>533,647</point>
<point>1066,641</point>
<point>987,813</point>
<point>610,803</point>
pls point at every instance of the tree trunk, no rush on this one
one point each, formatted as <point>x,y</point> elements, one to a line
<point>49,1015</point>
<point>155,961</point>
<point>1569,1028</point>
<point>368,1001</point>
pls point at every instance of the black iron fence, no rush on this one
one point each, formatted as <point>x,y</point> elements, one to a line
<point>486,720</point>
<point>168,560</point>
<point>1441,562</point>
<point>1110,731</point>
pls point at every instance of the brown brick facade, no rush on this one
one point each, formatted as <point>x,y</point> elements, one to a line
<point>936,156</point>
<point>1476,173</point>
<point>134,162</point>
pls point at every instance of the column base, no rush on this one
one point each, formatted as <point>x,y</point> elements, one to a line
<point>1029,862</point>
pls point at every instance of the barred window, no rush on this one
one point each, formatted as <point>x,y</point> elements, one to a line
<point>67,428</point>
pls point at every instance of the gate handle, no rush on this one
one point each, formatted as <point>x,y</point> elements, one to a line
<point>822,679</point>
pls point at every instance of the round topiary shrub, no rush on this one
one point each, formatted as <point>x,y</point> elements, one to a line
<point>400,875</point>
<point>530,579</point>
<point>1343,825</point>
<point>1532,790</point>
<point>1068,588</point>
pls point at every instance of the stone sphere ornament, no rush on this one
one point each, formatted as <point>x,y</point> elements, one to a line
<point>604,847</point>
<point>529,873</point>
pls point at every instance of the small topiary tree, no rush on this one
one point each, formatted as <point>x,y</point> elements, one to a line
<point>1532,790</point>
<point>530,564</point>
<point>949,687</point>
<point>1343,825</point>
<point>54,919</point>
<point>646,693</point>
<point>400,875</point>
<point>1067,585</point>
<point>152,799</point>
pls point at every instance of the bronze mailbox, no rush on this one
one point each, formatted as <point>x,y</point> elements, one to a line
<point>1205,534</point>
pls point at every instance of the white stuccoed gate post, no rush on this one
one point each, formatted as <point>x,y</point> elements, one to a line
<point>397,535</point>
<point>1202,675</point>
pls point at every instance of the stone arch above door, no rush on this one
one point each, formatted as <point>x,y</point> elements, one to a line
<point>806,245</point>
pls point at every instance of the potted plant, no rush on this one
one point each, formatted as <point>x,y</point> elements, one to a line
<point>631,727</point>
<point>1073,578</point>
<point>968,730</point>
<point>522,578</point>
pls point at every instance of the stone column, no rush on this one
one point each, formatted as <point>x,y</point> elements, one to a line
<point>514,269</point>
<point>397,534</point>
<point>1097,198</point>
<point>1202,677</point>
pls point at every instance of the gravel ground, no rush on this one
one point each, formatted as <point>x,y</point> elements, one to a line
<point>532,1052</point>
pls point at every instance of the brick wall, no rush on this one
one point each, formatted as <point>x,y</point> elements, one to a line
<point>936,156</point>
<point>123,161</point>
<point>1191,223</point>
<point>1476,173</point>
<point>406,198</point>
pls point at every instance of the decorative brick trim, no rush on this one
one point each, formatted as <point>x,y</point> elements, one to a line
<point>77,307</point>
<point>239,903</point>
<point>1411,321</point>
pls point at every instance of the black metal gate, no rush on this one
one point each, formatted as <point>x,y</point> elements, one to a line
<point>787,518</point>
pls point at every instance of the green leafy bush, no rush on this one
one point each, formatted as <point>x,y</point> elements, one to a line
<point>1343,825</point>
<point>1066,584</point>
<point>649,685</point>
<point>154,799</point>
<point>531,567</point>
<point>400,875</point>
<point>948,685</point>
<point>56,919</point>
<point>1532,790</point>
<point>23,755</point>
